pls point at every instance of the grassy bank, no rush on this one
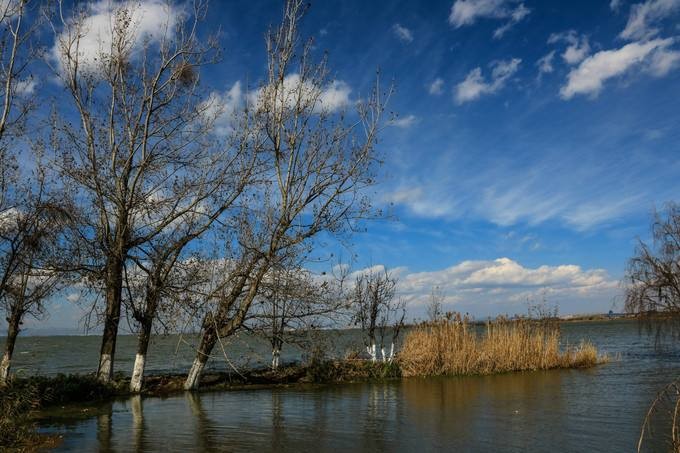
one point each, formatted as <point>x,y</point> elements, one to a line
<point>454,347</point>
<point>17,404</point>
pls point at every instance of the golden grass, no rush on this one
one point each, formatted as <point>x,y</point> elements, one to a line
<point>452,347</point>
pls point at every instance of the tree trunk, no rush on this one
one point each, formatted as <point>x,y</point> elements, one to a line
<point>371,349</point>
<point>114,286</point>
<point>12,333</point>
<point>222,321</point>
<point>140,359</point>
<point>208,341</point>
<point>276,353</point>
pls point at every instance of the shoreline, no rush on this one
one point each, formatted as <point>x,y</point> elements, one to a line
<point>448,347</point>
<point>77,389</point>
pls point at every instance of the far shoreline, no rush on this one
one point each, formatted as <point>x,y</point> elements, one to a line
<point>582,317</point>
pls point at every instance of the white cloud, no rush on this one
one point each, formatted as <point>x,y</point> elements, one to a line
<point>422,201</point>
<point>517,15</point>
<point>405,122</point>
<point>25,87</point>
<point>663,62</point>
<point>545,63</point>
<point>149,21</point>
<point>506,272</point>
<point>475,85</point>
<point>467,12</point>
<point>615,5</point>
<point>436,87</point>
<point>333,97</point>
<point>403,33</point>
<point>578,48</point>
<point>221,108</point>
<point>589,77</point>
<point>504,284</point>
<point>472,87</point>
<point>9,219</point>
<point>644,15</point>
<point>576,53</point>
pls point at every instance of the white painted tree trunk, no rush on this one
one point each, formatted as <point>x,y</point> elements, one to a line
<point>194,375</point>
<point>391,353</point>
<point>276,357</point>
<point>382,352</point>
<point>137,373</point>
<point>4,368</point>
<point>105,371</point>
<point>372,352</point>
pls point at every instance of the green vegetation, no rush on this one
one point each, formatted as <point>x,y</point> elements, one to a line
<point>20,398</point>
<point>16,404</point>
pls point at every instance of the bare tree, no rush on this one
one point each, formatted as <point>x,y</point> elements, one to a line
<point>10,46</point>
<point>25,210</point>
<point>652,291</point>
<point>376,311</point>
<point>293,302</point>
<point>153,291</point>
<point>16,53</point>
<point>389,326</point>
<point>29,247</point>
<point>434,308</point>
<point>653,275</point>
<point>170,271</point>
<point>140,158</point>
<point>317,166</point>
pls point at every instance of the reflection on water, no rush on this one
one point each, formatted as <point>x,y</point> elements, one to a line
<point>598,409</point>
<point>104,430</point>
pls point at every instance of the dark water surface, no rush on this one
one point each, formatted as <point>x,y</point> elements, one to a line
<point>597,409</point>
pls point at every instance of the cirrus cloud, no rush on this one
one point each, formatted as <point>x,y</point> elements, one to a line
<point>467,12</point>
<point>644,15</point>
<point>403,33</point>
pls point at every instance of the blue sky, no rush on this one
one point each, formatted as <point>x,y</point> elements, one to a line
<point>533,139</point>
<point>554,153</point>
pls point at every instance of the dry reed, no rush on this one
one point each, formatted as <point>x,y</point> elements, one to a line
<point>453,347</point>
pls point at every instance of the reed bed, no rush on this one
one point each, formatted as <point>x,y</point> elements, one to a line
<point>453,346</point>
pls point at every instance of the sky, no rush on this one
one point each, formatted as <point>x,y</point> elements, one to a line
<point>532,140</point>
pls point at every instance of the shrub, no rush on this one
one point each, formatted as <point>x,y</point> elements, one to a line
<point>15,406</point>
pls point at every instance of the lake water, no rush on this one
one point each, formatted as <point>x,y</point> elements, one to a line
<point>596,409</point>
